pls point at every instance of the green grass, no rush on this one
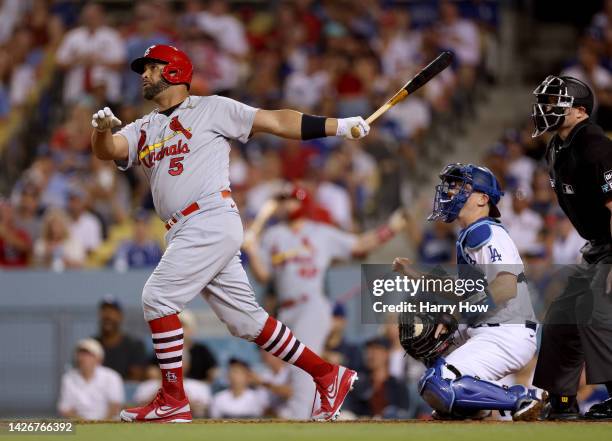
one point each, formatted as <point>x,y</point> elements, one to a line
<point>341,431</point>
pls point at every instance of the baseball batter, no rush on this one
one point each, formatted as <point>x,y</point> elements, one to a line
<point>183,149</point>
<point>295,255</point>
<point>496,343</point>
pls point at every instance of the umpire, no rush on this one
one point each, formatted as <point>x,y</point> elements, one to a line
<point>578,327</point>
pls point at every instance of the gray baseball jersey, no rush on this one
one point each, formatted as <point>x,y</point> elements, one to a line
<point>185,155</point>
<point>299,260</point>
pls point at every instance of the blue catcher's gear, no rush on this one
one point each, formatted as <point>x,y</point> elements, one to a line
<point>466,396</point>
<point>453,190</point>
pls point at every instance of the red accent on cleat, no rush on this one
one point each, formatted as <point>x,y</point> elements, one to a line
<point>333,389</point>
<point>164,408</point>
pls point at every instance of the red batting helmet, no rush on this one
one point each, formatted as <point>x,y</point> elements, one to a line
<point>178,68</point>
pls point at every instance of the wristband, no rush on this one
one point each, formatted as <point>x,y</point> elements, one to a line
<point>313,126</point>
<point>385,233</point>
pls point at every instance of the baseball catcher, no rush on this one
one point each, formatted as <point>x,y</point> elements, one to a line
<point>465,362</point>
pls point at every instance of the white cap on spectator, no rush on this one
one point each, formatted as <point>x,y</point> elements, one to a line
<point>92,346</point>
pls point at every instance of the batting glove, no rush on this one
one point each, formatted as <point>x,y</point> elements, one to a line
<point>346,124</point>
<point>104,119</point>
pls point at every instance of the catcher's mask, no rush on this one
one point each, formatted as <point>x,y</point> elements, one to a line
<point>555,96</point>
<point>457,182</point>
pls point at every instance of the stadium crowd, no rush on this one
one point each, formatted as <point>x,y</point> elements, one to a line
<point>68,210</point>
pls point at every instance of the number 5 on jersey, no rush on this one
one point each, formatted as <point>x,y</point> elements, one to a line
<point>176,166</point>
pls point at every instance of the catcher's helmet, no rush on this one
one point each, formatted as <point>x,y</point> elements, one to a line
<point>554,97</point>
<point>178,68</point>
<point>446,206</point>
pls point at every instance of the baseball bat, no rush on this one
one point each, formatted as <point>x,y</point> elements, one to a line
<point>427,73</point>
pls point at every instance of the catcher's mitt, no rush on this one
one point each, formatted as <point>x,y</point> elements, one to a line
<point>416,333</point>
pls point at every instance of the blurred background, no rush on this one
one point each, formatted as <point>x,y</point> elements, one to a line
<point>78,238</point>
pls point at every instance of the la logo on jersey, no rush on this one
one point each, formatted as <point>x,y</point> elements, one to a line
<point>152,153</point>
<point>495,256</point>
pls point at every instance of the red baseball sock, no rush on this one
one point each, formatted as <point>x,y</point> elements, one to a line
<point>277,339</point>
<point>168,344</point>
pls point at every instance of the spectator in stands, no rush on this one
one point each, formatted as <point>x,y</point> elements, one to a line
<point>109,192</point>
<point>57,249</point>
<point>435,242</point>
<point>603,19</point>
<point>496,159</point>
<point>198,392</point>
<point>15,242</point>
<point>23,76</point>
<point>52,183</point>
<point>90,54</point>
<point>84,226</point>
<point>410,118</point>
<point>70,142</point>
<point>141,251</point>
<point>377,393</point>
<point>5,72</point>
<point>337,349</point>
<point>329,179</point>
<point>567,242</point>
<point>405,369</point>
<point>90,391</point>
<point>523,224</point>
<point>266,181</point>
<point>238,401</point>
<point>274,384</point>
<point>296,157</point>
<point>202,364</point>
<point>520,166</point>
<point>398,362</point>
<point>362,178</point>
<point>28,211</point>
<point>217,21</point>
<point>589,69</point>
<point>124,354</point>
<point>305,89</point>
<point>144,32</point>
<point>462,37</point>
<point>11,12</point>
<point>227,32</point>
<point>398,46</point>
<point>46,27</point>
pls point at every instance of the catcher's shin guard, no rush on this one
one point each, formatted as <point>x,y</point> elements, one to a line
<point>466,395</point>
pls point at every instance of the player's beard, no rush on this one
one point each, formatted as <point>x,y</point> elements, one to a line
<point>152,90</point>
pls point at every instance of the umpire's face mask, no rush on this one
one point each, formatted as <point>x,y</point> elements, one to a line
<point>552,106</point>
